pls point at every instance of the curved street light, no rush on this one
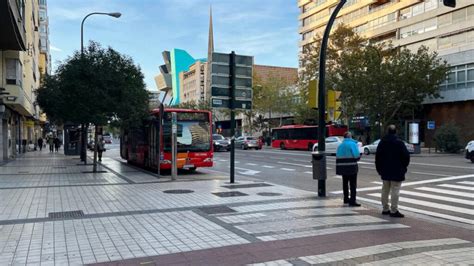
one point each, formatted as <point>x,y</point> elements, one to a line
<point>112,14</point>
<point>84,134</point>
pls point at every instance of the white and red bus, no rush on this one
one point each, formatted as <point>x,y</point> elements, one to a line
<point>139,146</point>
<point>302,137</point>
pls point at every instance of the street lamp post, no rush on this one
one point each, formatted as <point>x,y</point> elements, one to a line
<point>84,127</point>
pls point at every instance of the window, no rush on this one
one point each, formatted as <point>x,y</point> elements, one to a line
<point>444,20</point>
<point>459,16</point>
<point>14,72</point>
<point>42,15</point>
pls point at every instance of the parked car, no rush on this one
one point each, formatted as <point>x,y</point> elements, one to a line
<point>470,151</point>
<point>246,142</point>
<point>220,143</point>
<point>333,142</point>
<point>372,148</point>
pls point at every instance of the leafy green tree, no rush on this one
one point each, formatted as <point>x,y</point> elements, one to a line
<point>342,41</point>
<point>99,86</point>
<point>388,84</point>
<point>200,105</point>
<point>272,95</point>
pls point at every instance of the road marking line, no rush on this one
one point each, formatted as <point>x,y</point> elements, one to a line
<point>449,192</point>
<point>287,169</point>
<point>434,214</point>
<point>361,162</point>
<point>423,173</point>
<point>365,167</point>
<point>405,184</point>
<point>308,172</point>
<point>251,164</point>
<point>377,182</point>
<point>295,164</point>
<point>442,165</point>
<point>223,160</point>
<point>431,204</point>
<point>466,183</point>
<point>337,176</point>
<point>431,196</point>
<point>458,187</point>
<point>268,166</point>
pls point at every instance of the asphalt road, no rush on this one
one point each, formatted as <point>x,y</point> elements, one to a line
<point>440,186</point>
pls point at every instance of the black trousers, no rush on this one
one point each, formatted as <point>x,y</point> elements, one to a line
<point>349,181</point>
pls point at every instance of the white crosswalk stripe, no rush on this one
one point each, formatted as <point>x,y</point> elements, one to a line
<point>451,201</point>
<point>457,187</point>
<point>448,192</point>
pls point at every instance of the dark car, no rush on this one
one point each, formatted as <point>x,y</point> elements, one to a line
<point>220,143</point>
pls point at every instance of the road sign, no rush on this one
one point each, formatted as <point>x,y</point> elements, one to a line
<point>221,81</point>
<point>431,125</point>
<point>243,93</point>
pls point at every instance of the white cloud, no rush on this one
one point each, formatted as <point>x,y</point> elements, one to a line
<point>56,49</point>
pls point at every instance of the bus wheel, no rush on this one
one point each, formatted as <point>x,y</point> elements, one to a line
<point>310,146</point>
<point>282,146</point>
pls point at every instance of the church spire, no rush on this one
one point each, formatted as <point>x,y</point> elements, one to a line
<point>210,44</point>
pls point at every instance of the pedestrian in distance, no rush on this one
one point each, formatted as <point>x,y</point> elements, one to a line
<point>100,148</point>
<point>347,155</point>
<point>391,161</point>
<point>57,144</point>
<point>51,144</point>
<point>40,143</point>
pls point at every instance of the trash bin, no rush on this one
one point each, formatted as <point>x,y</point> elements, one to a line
<point>319,165</point>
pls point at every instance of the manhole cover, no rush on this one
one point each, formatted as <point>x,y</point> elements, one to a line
<point>217,210</point>
<point>247,185</point>
<point>229,194</point>
<point>269,194</point>
<point>69,214</point>
<point>178,191</point>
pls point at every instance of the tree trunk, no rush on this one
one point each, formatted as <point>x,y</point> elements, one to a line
<point>96,145</point>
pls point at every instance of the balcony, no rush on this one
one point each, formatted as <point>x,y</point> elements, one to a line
<point>12,31</point>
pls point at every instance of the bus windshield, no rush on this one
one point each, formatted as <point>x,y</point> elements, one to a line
<point>192,135</point>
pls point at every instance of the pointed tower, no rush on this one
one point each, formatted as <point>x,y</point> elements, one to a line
<point>210,50</point>
<point>210,43</point>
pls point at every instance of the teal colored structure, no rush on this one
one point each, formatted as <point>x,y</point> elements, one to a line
<point>180,61</point>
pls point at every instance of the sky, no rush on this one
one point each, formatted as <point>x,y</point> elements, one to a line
<point>265,29</point>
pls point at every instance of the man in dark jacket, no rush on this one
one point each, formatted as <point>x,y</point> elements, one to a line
<point>391,160</point>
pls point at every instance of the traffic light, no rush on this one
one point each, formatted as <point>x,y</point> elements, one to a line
<point>313,94</point>
<point>450,3</point>
<point>333,105</point>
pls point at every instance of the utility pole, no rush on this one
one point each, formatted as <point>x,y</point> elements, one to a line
<point>232,116</point>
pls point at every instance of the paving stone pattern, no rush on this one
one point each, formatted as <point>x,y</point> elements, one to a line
<point>127,216</point>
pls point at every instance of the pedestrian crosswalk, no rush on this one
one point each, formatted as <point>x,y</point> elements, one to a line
<point>451,200</point>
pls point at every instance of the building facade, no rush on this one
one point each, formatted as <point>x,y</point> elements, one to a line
<point>20,75</point>
<point>193,83</point>
<point>410,24</point>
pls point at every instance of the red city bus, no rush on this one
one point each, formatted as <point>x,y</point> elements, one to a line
<point>139,146</point>
<point>302,137</point>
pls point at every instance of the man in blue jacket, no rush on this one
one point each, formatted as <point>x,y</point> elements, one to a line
<point>391,160</point>
<point>347,155</point>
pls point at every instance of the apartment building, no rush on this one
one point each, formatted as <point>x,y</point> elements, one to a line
<point>410,24</point>
<point>20,75</point>
<point>193,83</point>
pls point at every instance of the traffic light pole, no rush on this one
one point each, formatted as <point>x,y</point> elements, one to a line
<point>322,101</point>
<point>232,116</point>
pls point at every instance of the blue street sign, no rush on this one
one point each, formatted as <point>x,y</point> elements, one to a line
<point>431,125</point>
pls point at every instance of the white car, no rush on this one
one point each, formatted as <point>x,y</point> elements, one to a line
<point>333,142</point>
<point>372,147</point>
<point>470,151</point>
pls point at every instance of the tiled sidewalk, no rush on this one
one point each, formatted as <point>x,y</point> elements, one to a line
<point>52,212</point>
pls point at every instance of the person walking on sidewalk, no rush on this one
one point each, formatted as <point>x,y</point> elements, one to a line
<point>347,155</point>
<point>40,143</point>
<point>57,144</point>
<point>391,161</point>
<point>51,144</point>
<point>100,148</point>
